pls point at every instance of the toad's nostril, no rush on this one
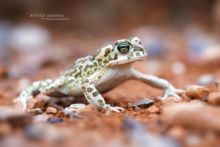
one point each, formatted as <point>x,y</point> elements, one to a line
<point>138,49</point>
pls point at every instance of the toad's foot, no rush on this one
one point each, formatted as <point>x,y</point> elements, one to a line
<point>95,98</point>
<point>115,109</point>
<point>172,91</point>
<point>76,107</point>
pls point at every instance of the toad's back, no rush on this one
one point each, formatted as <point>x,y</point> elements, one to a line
<point>83,71</point>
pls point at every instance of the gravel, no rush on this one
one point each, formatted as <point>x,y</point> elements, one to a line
<point>193,114</point>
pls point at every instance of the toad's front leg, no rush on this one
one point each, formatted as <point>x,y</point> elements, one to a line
<point>168,88</point>
<point>95,98</point>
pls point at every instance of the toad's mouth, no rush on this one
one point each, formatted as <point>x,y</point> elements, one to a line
<point>115,63</point>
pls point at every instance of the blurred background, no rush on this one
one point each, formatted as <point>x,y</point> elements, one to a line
<point>37,33</point>
<point>39,39</point>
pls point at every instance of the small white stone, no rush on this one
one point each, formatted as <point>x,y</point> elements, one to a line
<point>51,110</point>
<point>73,108</point>
<point>206,79</point>
<point>41,118</point>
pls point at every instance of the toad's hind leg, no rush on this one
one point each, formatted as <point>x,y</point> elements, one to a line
<point>46,87</point>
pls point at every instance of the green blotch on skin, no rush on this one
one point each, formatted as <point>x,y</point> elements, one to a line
<point>110,58</point>
<point>138,49</point>
<point>86,81</point>
<point>89,89</point>
<point>138,54</point>
<point>107,51</point>
<point>76,76</point>
<point>101,102</point>
<point>95,94</point>
<point>116,57</point>
<point>91,66</point>
<point>100,61</point>
<point>105,61</point>
<point>95,64</point>
<point>87,66</point>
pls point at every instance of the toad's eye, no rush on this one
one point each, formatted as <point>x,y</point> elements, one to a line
<point>123,47</point>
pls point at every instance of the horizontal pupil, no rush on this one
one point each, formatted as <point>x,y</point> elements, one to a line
<point>124,46</point>
<point>123,50</point>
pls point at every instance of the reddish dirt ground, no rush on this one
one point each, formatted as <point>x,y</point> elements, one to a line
<point>163,123</point>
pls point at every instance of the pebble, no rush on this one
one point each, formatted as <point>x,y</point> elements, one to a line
<point>15,117</point>
<point>197,92</point>
<point>74,116</point>
<point>214,98</point>
<point>46,132</point>
<point>206,80</point>
<point>195,114</point>
<point>41,118</point>
<point>75,108</point>
<point>177,132</point>
<point>153,109</point>
<point>141,137</point>
<point>34,131</point>
<point>51,110</point>
<point>35,111</point>
<point>34,103</point>
<point>55,120</point>
<point>8,112</point>
<point>170,100</point>
<point>143,103</point>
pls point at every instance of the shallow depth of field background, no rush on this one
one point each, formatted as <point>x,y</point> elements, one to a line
<point>32,30</point>
<point>39,39</point>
